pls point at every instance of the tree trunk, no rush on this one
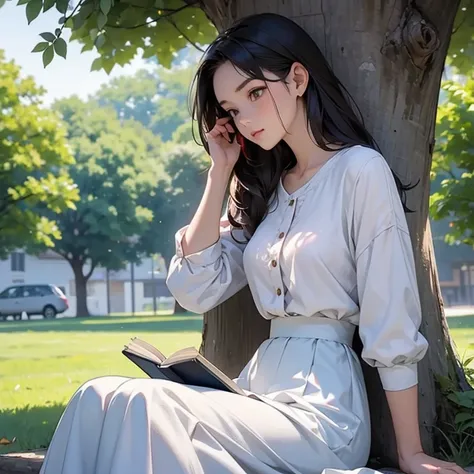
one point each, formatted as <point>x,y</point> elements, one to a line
<point>81,289</point>
<point>389,54</point>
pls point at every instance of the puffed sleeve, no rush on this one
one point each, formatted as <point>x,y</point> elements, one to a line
<point>390,311</point>
<point>202,280</point>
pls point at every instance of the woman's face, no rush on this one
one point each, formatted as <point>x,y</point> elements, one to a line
<point>262,111</point>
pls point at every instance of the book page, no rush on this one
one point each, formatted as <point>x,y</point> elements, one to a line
<point>139,350</point>
<point>188,353</point>
<point>150,348</point>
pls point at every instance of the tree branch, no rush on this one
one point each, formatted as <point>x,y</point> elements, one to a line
<point>88,275</point>
<point>184,35</point>
<point>154,20</point>
<point>69,17</point>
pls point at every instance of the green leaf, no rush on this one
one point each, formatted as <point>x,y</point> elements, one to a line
<point>463,417</point>
<point>105,6</point>
<point>60,47</point>
<point>48,37</point>
<point>87,47</point>
<point>40,47</point>
<point>78,21</point>
<point>33,9</point>
<point>22,2</point>
<point>99,42</point>
<point>108,65</point>
<point>61,6</point>
<point>48,55</point>
<point>2,2</point>
<point>101,20</point>
<point>93,33</point>
<point>97,64</point>
<point>48,4</point>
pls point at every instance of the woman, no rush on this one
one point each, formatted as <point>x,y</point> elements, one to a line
<point>316,227</point>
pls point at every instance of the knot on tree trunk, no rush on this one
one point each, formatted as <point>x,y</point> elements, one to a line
<point>415,35</point>
<point>419,37</point>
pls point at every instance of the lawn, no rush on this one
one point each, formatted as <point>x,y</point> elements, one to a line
<point>42,363</point>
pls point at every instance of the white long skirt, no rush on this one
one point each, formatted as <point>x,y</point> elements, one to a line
<point>306,412</point>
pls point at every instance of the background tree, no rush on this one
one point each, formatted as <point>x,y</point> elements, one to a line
<point>454,160</point>
<point>180,194</point>
<point>33,156</point>
<point>117,170</point>
<point>157,98</point>
<point>451,172</point>
<point>390,56</point>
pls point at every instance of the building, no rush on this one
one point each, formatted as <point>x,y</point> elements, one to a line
<point>107,292</point>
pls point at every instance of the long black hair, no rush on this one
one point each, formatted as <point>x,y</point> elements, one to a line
<point>270,42</point>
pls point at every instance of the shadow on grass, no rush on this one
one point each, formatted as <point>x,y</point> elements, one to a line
<point>32,426</point>
<point>106,324</point>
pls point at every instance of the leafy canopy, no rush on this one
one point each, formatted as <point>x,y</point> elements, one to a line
<point>34,156</point>
<point>119,29</point>
<point>454,161</point>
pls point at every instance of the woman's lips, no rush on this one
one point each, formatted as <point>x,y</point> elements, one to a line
<point>257,133</point>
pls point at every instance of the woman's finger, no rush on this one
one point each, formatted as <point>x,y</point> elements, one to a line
<point>229,127</point>
<point>458,469</point>
<point>214,133</point>
<point>223,131</point>
<point>222,120</point>
<point>452,469</point>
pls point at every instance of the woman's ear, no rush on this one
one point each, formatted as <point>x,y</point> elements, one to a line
<point>299,78</point>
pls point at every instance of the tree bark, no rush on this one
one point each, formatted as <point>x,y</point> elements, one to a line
<point>389,54</point>
<point>81,289</point>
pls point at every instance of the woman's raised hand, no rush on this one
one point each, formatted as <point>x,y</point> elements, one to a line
<point>223,152</point>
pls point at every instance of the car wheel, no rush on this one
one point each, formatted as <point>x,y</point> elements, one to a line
<point>3,317</point>
<point>49,312</point>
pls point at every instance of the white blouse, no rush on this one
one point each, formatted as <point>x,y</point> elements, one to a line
<point>338,246</point>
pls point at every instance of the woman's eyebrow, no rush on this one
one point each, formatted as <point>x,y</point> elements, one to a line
<point>239,88</point>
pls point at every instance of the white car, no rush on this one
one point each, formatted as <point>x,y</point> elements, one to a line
<point>47,300</point>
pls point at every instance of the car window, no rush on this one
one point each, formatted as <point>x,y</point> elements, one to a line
<point>45,290</point>
<point>15,292</point>
<point>4,294</point>
<point>32,291</point>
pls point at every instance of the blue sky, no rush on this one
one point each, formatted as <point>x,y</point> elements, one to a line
<point>61,78</point>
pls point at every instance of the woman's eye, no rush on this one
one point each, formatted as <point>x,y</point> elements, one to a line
<point>256,93</point>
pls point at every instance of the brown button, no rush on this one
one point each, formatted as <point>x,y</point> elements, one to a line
<point>278,291</point>
<point>282,234</point>
<point>274,263</point>
<point>291,202</point>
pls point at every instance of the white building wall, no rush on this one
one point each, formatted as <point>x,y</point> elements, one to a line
<point>53,269</point>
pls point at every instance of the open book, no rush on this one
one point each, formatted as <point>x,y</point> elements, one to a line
<point>186,366</point>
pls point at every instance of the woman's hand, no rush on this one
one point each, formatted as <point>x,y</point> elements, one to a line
<point>223,153</point>
<point>421,463</point>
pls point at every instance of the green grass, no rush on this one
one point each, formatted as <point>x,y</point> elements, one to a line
<point>42,363</point>
<point>461,329</point>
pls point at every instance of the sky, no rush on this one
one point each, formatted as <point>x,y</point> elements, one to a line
<point>63,77</point>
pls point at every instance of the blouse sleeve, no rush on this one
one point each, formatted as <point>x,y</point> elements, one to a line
<point>390,311</point>
<point>202,280</point>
